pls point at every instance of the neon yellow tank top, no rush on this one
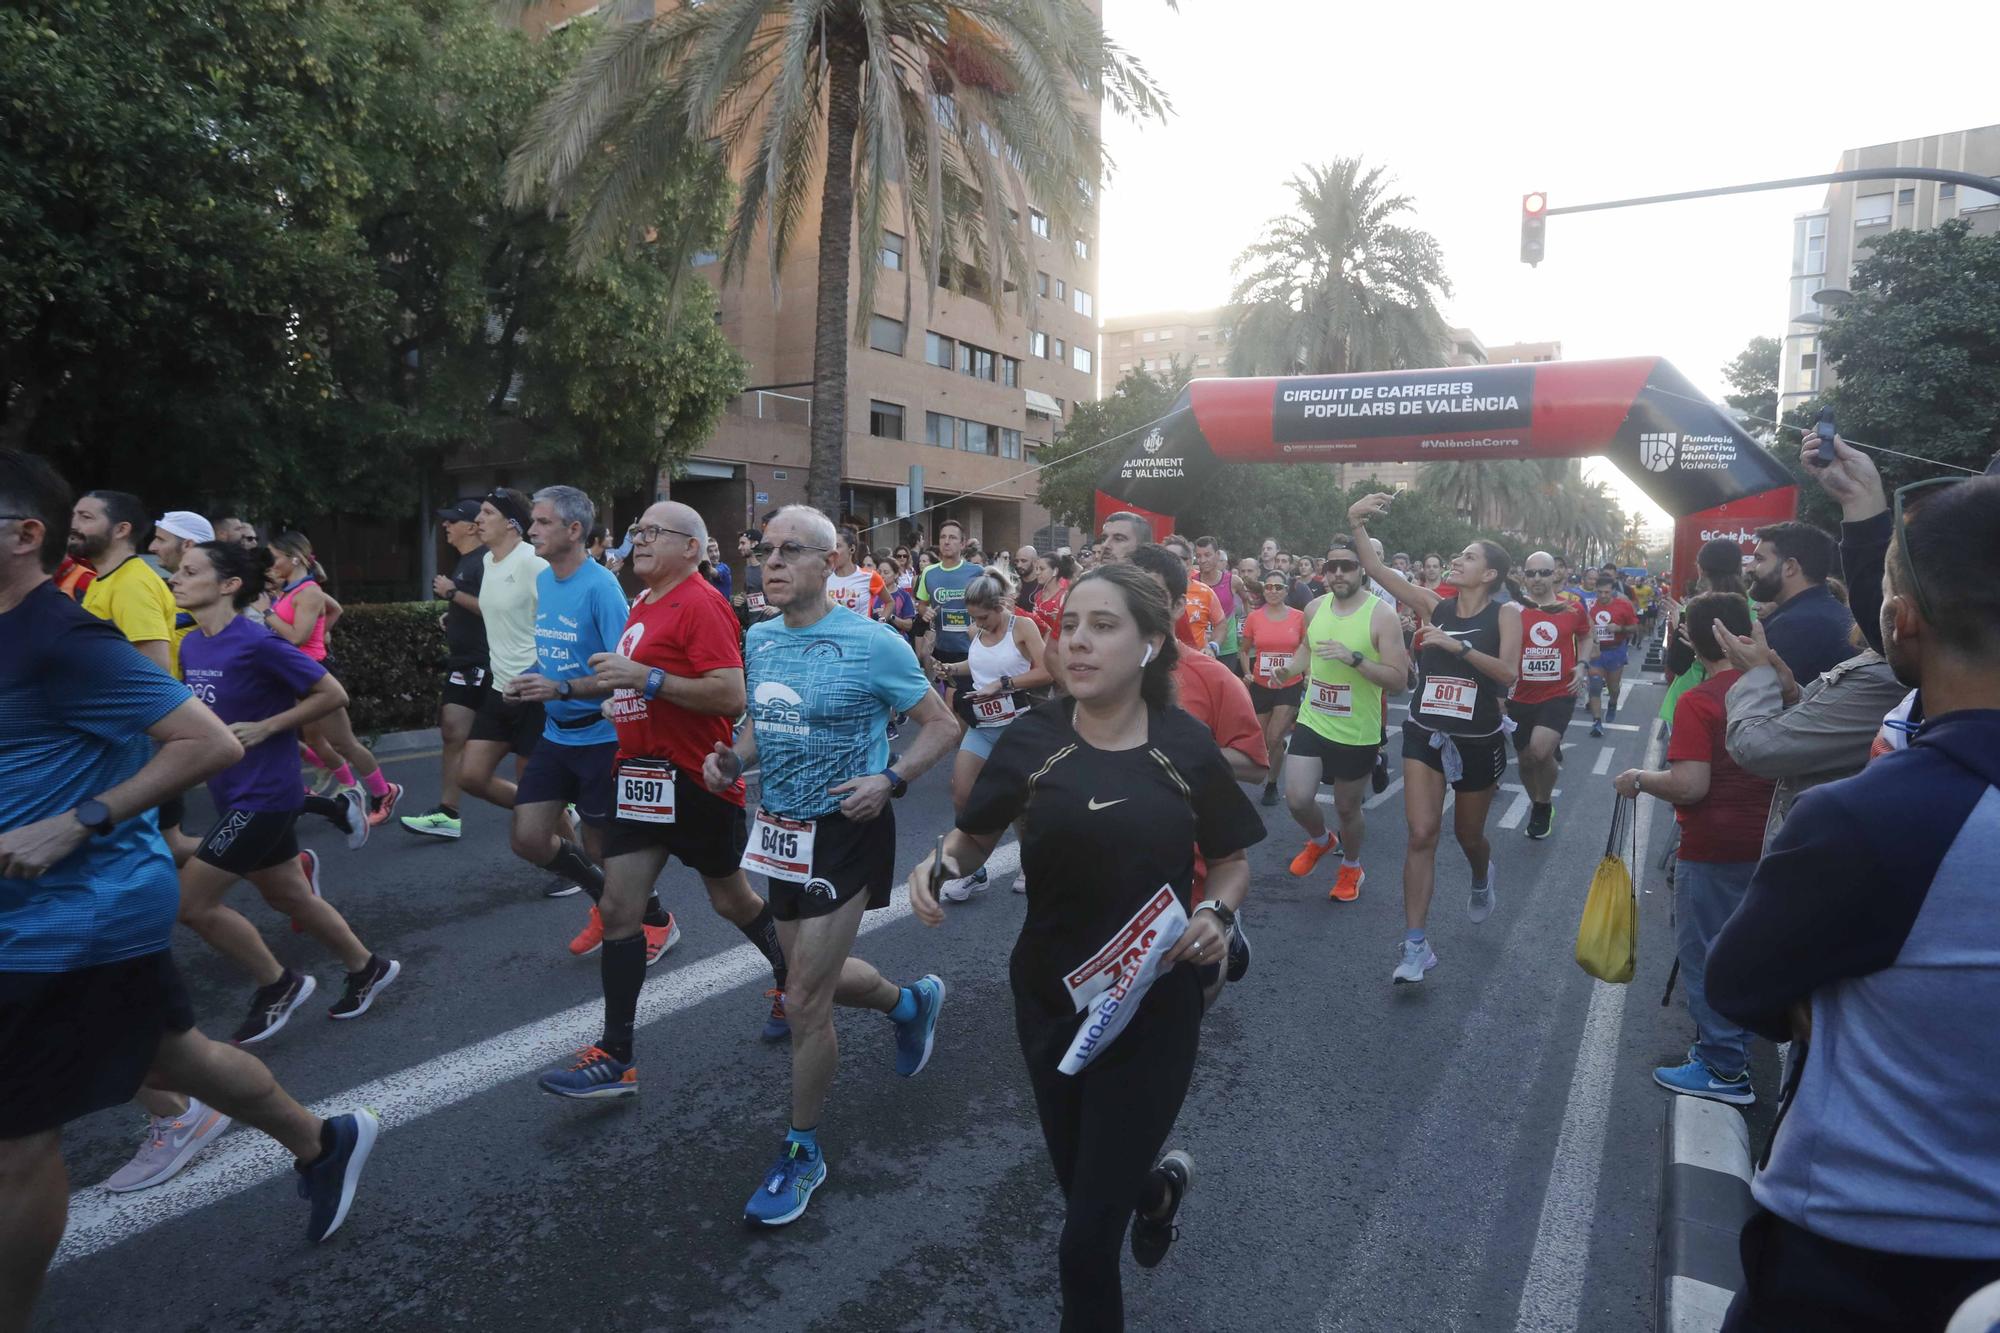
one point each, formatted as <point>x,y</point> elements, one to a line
<point>1339,703</point>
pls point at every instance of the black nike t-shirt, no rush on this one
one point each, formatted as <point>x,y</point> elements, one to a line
<point>1105,829</point>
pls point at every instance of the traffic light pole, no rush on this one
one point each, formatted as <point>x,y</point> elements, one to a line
<point>1967,178</point>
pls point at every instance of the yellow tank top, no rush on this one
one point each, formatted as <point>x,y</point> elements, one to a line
<point>1339,703</point>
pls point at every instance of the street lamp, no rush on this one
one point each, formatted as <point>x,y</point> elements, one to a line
<point>1832,297</point>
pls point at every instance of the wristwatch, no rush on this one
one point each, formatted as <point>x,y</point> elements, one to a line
<point>1223,912</point>
<point>94,815</point>
<point>562,689</point>
<point>898,788</point>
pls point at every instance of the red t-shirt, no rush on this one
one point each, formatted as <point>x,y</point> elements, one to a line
<point>1548,651</point>
<point>1213,695</point>
<point>689,632</point>
<point>1605,614</point>
<point>1264,637</point>
<point>1727,825</point>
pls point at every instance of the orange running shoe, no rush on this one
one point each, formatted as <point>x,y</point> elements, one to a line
<point>1309,855</point>
<point>591,938</point>
<point>659,939</point>
<point>1347,885</point>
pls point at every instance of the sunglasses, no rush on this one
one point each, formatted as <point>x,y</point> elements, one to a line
<point>1342,566</point>
<point>1906,498</point>
<point>790,551</point>
<point>1545,573</point>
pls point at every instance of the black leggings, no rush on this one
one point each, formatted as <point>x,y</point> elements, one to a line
<point>1105,1128</point>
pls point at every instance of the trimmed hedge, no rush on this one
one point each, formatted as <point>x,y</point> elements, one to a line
<point>390,658</point>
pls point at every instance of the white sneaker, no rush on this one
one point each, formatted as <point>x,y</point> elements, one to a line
<point>1480,905</point>
<point>171,1143</point>
<point>960,890</point>
<point>1021,882</point>
<point>1418,959</point>
<point>357,816</point>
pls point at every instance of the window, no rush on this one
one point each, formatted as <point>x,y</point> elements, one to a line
<point>1201,363</point>
<point>1124,366</point>
<point>940,351</point>
<point>1058,351</point>
<point>1080,358</point>
<point>1041,284</point>
<point>1204,335</point>
<point>1815,252</point>
<point>885,420</point>
<point>1872,210</point>
<point>1971,199</point>
<point>1010,372</point>
<point>1038,223</point>
<point>1166,334</point>
<point>1010,442</point>
<point>892,250</point>
<point>1080,301</point>
<point>1906,198</point>
<point>1038,344</point>
<point>1082,248</point>
<point>941,430</point>
<point>1947,191</point>
<point>700,258</point>
<point>975,361</point>
<point>977,437</point>
<point>1062,290</point>
<point>1148,336</point>
<point>1809,362</point>
<point>886,335</point>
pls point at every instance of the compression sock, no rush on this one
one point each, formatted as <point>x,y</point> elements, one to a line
<point>344,776</point>
<point>1413,937</point>
<point>570,861</point>
<point>376,784</point>
<point>906,1006</point>
<point>763,932</point>
<point>655,914</point>
<point>622,965</point>
<point>809,1138</point>
<point>329,809</point>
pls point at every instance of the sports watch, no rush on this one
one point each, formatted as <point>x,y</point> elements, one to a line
<point>94,815</point>
<point>898,787</point>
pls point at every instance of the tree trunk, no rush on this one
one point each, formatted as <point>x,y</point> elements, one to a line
<point>830,322</point>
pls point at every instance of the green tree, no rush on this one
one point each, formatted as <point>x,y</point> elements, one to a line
<point>939,117</point>
<point>1078,456</point>
<point>1754,377</point>
<point>1339,284</point>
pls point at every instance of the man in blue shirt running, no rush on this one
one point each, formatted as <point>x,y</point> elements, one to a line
<point>941,593</point>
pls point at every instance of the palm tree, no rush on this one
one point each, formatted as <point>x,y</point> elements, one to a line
<point>941,115</point>
<point>1542,502</point>
<point>1338,284</point>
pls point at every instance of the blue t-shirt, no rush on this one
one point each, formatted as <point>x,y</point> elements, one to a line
<point>75,702</point>
<point>576,619</point>
<point>945,588</point>
<point>821,699</point>
<point>246,674</point>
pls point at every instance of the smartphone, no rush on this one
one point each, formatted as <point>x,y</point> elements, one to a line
<point>1826,434</point>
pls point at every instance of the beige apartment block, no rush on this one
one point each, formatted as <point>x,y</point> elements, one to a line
<point>1514,354</point>
<point>1829,241</point>
<point>1197,339</point>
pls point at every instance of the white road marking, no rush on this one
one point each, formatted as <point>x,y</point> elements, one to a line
<point>1603,764</point>
<point>1395,785</point>
<point>1625,691</point>
<point>1523,803</point>
<point>245,1158</point>
<point>1552,1293</point>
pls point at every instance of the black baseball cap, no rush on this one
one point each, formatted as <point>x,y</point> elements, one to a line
<point>462,510</point>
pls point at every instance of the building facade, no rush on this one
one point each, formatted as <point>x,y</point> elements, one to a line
<point>1514,354</point>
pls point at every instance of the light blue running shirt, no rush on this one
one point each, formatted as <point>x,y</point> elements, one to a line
<point>575,619</point>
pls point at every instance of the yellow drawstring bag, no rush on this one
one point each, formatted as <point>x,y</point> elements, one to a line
<point>1607,939</point>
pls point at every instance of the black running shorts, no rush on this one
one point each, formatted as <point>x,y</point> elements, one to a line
<point>76,1042</point>
<point>246,841</point>
<point>1263,698</point>
<point>579,775</point>
<point>1484,757</point>
<point>1337,762</point>
<point>514,723</point>
<point>708,832</point>
<point>1551,713</point>
<point>849,859</point>
<point>465,687</point>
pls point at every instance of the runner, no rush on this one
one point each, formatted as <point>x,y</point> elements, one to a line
<point>1543,700</point>
<point>1053,575</point>
<point>941,598</point>
<point>1118,789</point>
<point>1002,664</point>
<point>1350,659</point>
<point>1468,654</point>
<point>1270,635</point>
<point>853,586</point>
<point>265,689</point>
<point>1613,623</point>
<point>91,1005</point>
<point>107,529</point>
<point>823,683</point>
<point>507,611</point>
<point>301,614</point>
<point>751,606</point>
<point>465,665</point>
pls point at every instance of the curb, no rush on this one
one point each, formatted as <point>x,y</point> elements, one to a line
<point>1704,1201</point>
<point>404,742</point>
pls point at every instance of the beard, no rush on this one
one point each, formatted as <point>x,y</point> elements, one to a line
<point>1766,589</point>
<point>87,546</point>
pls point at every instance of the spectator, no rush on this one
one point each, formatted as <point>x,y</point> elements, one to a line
<point>1808,628</point>
<point>1721,812</point>
<point>1869,933</point>
<point>1720,561</point>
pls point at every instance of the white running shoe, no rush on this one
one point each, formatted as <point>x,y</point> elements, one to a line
<point>1480,905</point>
<point>1418,959</point>
<point>171,1143</point>
<point>357,816</point>
<point>961,889</point>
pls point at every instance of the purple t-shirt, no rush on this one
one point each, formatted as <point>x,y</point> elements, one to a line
<point>246,674</point>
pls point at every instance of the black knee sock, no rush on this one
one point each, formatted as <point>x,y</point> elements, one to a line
<point>570,862</point>
<point>622,965</point>
<point>656,915</point>
<point>328,808</point>
<point>763,932</point>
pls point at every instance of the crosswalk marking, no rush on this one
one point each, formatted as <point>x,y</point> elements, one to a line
<point>1518,811</point>
<point>1603,764</point>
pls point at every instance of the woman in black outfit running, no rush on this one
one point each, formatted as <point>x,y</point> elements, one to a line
<point>1469,652</point>
<point>1117,788</point>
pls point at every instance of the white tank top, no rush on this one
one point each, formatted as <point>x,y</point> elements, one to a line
<point>1004,658</point>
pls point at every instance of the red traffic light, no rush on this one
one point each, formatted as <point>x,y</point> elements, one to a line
<point>1534,223</point>
<point>1534,205</point>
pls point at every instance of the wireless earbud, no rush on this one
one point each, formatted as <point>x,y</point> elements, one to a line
<point>1148,657</point>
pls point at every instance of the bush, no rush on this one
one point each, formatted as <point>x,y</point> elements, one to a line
<point>390,658</point>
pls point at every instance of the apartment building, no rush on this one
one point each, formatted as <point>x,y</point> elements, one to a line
<point>1515,354</point>
<point>1830,240</point>
<point>1196,339</point>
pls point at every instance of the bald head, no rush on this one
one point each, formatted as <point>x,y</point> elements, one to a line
<point>1540,577</point>
<point>676,551</point>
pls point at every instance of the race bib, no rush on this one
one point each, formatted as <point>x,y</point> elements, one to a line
<point>995,712</point>
<point>1108,988</point>
<point>1541,664</point>
<point>1335,698</point>
<point>1605,634</point>
<point>646,791</point>
<point>780,848</point>
<point>753,601</point>
<point>1449,696</point>
<point>1271,665</point>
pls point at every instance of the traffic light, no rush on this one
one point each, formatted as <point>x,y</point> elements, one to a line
<point>1534,222</point>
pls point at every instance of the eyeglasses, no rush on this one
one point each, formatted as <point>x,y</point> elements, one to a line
<point>1906,497</point>
<point>1546,572</point>
<point>652,532</point>
<point>791,551</point>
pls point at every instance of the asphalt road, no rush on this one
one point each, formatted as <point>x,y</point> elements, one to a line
<point>1478,1152</point>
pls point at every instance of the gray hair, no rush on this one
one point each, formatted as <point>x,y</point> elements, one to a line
<point>817,525</point>
<point>571,505</point>
<point>1140,522</point>
<point>990,587</point>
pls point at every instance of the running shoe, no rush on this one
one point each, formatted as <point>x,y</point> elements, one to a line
<point>591,938</point>
<point>329,1182</point>
<point>788,1186</point>
<point>559,889</point>
<point>596,1076</point>
<point>1418,959</point>
<point>1309,855</point>
<point>272,1006</point>
<point>354,820</point>
<point>1611,714</point>
<point>1270,796</point>
<point>914,1038</point>
<point>1347,884</point>
<point>308,862</point>
<point>1541,820</point>
<point>1152,1236</point>
<point>381,807</point>
<point>325,783</point>
<point>1479,905</point>
<point>1696,1079</point>
<point>1597,728</point>
<point>1020,881</point>
<point>776,1026</point>
<point>171,1143</point>
<point>364,986</point>
<point>1239,950</point>
<point>961,889</point>
<point>659,939</point>
<point>436,824</point>
<point>1379,779</point>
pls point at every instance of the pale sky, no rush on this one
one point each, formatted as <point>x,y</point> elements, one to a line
<point>1470,107</point>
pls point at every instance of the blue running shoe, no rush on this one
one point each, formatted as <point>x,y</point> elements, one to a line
<point>595,1075</point>
<point>788,1187</point>
<point>329,1182</point>
<point>776,1026</point>
<point>1696,1079</point>
<point>914,1038</point>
